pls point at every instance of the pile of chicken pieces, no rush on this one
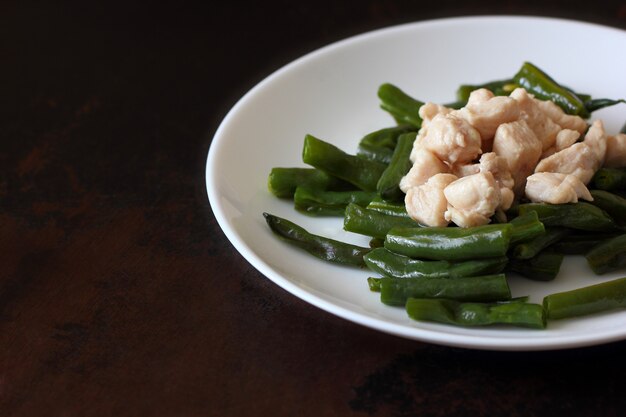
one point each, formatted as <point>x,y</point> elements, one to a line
<point>471,163</point>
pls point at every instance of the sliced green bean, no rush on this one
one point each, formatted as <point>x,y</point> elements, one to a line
<point>526,227</point>
<point>388,185</point>
<point>575,247</point>
<point>379,145</point>
<point>543,87</point>
<point>457,313</point>
<point>361,172</point>
<point>613,204</point>
<point>599,103</point>
<point>610,179</point>
<point>451,243</point>
<point>324,248</point>
<point>591,299</point>
<point>395,291</point>
<point>581,215</point>
<point>388,207</point>
<point>403,108</point>
<point>531,248</point>
<point>282,182</point>
<point>328,203</point>
<point>372,223</point>
<point>608,256</point>
<point>390,264</point>
<point>544,266</point>
<point>378,154</point>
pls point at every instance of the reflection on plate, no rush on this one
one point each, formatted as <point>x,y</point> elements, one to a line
<point>331,93</point>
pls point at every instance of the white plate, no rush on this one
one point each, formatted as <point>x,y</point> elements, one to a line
<point>331,93</point>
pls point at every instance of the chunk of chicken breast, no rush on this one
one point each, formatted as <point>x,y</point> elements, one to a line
<point>427,203</point>
<point>472,200</point>
<point>499,168</point>
<point>486,112</point>
<point>558,116</point>
<point>451,139</point>
<point>564,139</point>
<point>518,144</point>
<point>429,110</point>
<point>544,127</point>
<point>556,188</point>
<point>582,159</point>
<point>615,156</point>
<point>425,165</point>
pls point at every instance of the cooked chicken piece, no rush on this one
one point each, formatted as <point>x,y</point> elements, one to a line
<point>429,110</point>
<point>564,139</point>
<point>518,145</point>
<point>582,159</point>
<point>556,188</point>
<point>451,139</point>
<point>425,165</point>
<point>596,138</point>
<point>463,170</point>
<point>426,203</point>
<point>499,168</point>
<point>472,200</point>
<point>545,128</point>
<point>579,160</point>
<point>486,112</point>
<point>558,116</point>
<point>615,156</point>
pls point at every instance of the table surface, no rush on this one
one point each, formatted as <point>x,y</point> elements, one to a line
<point>120,295</point>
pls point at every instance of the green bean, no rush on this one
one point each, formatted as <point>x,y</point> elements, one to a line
<point>498,88</point>
<point>324,248</point>
<point>373,284</point>
<point>592,105</point>
<point>608,255</point>
<point>395,291</point>
<point>610,179</point>
<point>450,243</point>
<point>581,216</point>
<point>543,87</point>
<point>580,243</point>
<point>457,313</point>
<point>328,203</point>
<point>544,266</point>
<point>526,227</point>
<point>376,242</point>
<point>390,264</point>
<point>374,153</point>
<point>388,207</point>
<point>591,299</point>
<point>282,182</point>
<point>379,145</point>
<point>613,204</point>
<point>575,247</point>
<point>388,185</point>
<point>403,108</point>
<point>372,223</point>
<point>361,172</point>
<point>531,248</point>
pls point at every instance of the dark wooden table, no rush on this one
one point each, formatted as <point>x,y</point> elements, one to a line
<point>120,295</point>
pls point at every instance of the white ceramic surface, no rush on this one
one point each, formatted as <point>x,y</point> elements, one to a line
<point>331,93</point>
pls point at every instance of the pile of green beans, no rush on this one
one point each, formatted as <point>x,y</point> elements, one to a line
<point>452,275</point>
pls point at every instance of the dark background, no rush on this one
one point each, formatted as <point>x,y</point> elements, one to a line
<point>120,295</point>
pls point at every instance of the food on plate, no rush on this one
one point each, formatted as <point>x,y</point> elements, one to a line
<point>509,179</point>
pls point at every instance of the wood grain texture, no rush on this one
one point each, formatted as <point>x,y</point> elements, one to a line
<point>120,295</point>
